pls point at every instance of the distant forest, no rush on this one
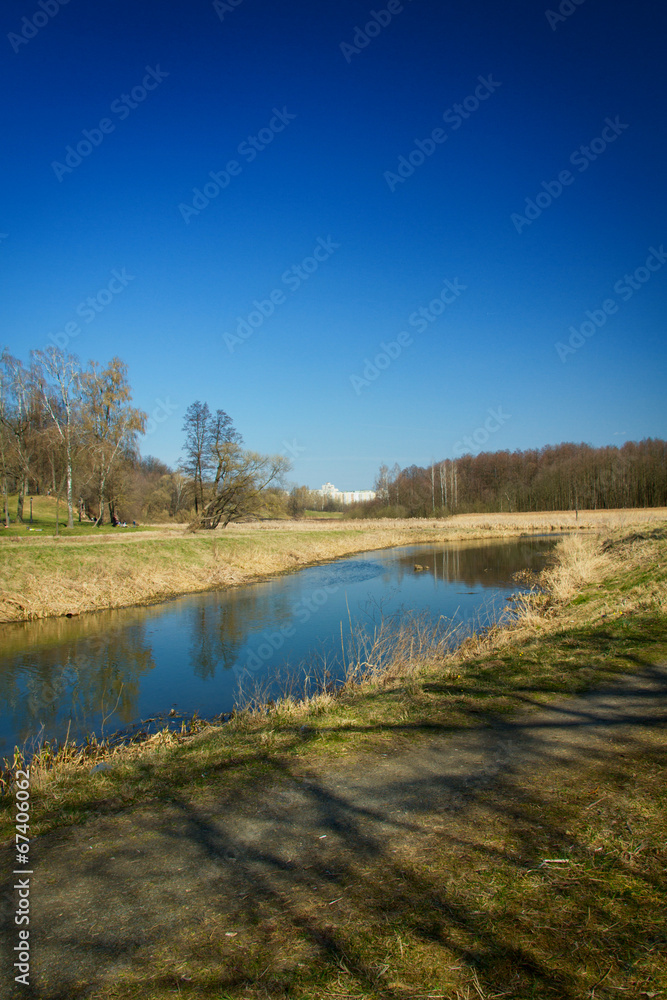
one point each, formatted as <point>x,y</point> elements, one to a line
<point>71,431</point>
<point>558,477</point>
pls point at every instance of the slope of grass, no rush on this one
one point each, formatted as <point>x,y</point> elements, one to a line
<point>547,883</point>
<point>45,512</point>
<point>88,569</point>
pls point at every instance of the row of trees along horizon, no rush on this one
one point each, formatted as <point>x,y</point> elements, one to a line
<point>71,432</point>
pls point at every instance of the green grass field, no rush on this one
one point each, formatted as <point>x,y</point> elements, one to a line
<point>43,520</point>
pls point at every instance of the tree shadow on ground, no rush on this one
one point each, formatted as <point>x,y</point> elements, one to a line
<point>482,862</point>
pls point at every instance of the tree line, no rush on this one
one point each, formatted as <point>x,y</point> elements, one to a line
<point>66,430</point>
<point>556,477</point>
<point>71,432</point>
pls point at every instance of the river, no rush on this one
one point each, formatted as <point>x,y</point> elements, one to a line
<point>108,671</point>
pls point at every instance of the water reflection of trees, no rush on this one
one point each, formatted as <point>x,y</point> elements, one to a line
<point>477,564</point>
<point>92,667</point>
<point>221,626</point>
<point>80,684</point>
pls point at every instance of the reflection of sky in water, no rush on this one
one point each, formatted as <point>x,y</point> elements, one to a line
<point>122,666</point>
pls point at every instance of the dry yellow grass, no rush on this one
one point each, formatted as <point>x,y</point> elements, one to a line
<point>48,577</point>
<point>466,525</point>
<point>44,577</point>
<point>394,840</point>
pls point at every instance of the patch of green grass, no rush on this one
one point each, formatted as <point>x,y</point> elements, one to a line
<point>324,515</point>
<point>43,523</point>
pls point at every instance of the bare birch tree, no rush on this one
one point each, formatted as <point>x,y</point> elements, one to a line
<point>58,378</point>
<point>110,424</point>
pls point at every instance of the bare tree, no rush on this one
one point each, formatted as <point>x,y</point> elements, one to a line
<point>197,428</point>
<point>5,444</point>
<point>382,485</point>
<point>394,480</point>
<point>110,424</point>
<point>58,378</point>
<point>241,479</point>
<point>20,418</point>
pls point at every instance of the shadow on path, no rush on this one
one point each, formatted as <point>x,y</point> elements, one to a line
<point>293,872</point>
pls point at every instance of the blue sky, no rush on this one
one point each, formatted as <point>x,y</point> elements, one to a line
<point>534,199</point>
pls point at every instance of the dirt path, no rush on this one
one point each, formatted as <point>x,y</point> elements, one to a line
<point>111,895</point>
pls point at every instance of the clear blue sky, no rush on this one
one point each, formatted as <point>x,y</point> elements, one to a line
<point>316,117</point>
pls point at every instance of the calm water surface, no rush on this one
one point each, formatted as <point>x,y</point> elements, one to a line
<point>116,668</point>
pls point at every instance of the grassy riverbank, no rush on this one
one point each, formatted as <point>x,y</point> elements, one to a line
<point>542,874</point>
<point>43,576</point>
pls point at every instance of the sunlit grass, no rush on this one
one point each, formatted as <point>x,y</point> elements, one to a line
<point>542,883</point>
<point>43,522</point>
<point>88,569</point>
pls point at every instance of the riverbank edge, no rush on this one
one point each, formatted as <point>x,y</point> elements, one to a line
<point>17,607</point>
<point>28,609</point>
<point>47,579</point>
<point>598,590</point>
<point>577,596</point>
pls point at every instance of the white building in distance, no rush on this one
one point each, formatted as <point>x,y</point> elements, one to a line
<point>352,496</point>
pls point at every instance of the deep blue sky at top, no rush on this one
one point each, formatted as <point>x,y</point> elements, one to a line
<point>289,386</point>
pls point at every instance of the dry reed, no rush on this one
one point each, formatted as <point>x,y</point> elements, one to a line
<point>52,758</point>
<point>44,577</point>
